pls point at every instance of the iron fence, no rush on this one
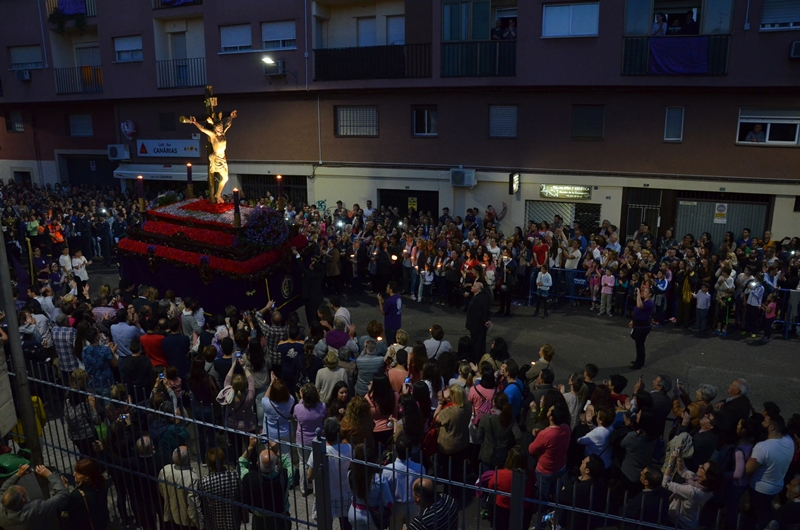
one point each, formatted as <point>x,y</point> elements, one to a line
<point>140,477</point>
<point>166,4</point>
<point>479,59</point>
<point>181,73</point>
<point>80,80</point>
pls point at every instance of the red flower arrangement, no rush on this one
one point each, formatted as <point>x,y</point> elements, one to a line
<point>250,266</point>
<point>203,235</point>
<point>204,206</point>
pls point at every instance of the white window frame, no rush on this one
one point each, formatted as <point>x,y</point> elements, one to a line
<point>127,45</point>
<point>29,65</point>
<point>282,43</point>
<point>545,7</point>
<point>78,121</point>
<point>493,114</point>
<point>427,109</point>
<point>340,112</point>
<point>767,117</point>
<point>15,123</point>
<point>243,45</point>
<point>666,125</point>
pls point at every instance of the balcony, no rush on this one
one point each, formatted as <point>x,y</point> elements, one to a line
<point>373,62</point>
<point>479,58</point>
<point>181,73</point>
<point>80,80</point>
<point>72,7</point>
<point>165,4</point>
<point>676,55</point>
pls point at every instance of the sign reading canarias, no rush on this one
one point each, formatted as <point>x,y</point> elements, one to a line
<point>168,148</point>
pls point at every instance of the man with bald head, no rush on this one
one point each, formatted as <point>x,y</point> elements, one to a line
<point>265,490</point>
<point>18,512</point>
<point>478,322</point>
<point>174,482</point>
<point>437,511</point>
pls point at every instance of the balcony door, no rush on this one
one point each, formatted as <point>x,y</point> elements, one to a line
<point>88,60</point>
<point>367,30</point>
<point>178,55</point>
<point>396,30</point>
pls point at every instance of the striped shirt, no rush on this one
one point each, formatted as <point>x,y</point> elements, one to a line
<point>64,342</point>
<point>441,515</point>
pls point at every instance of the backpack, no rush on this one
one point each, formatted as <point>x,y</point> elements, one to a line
<point>484,408</point>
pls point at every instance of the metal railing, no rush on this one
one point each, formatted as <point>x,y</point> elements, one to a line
<point>479,59</point>
<point>636,54</point>
<point>137,482</point>
<point>373,62</point>
<point>79,80</point>
<point>166,4</point>
<point>89,6</point>
<point>181,73</point>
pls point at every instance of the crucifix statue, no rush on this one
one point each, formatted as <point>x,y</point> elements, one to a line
<point>217,143</point>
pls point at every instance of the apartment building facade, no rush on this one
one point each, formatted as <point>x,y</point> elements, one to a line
<point>680,113</point>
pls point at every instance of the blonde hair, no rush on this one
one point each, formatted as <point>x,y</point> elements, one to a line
<point>458,395</point>
<point>548,352</point>
<point>401,337</point>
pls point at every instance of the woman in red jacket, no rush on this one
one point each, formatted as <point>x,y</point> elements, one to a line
<point>550,445</point>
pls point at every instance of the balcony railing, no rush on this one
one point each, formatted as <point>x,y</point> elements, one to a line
<point>373,62</point>
<point>164,4</point>
<point>676,55</point>
<point>73,7</point>
<point>80,80</point>
<point>181,73</point>
<point>479,59</point>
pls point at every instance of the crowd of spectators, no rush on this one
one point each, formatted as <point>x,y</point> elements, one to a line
<point>154,385</point>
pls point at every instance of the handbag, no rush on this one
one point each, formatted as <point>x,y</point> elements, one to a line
<point>381,518</point>
<point>430,443</point>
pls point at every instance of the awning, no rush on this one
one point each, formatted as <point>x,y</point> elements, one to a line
<point>160,172</point>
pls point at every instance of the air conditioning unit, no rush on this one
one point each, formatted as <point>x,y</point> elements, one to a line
<point>462,178</point>
<point>24,75</point>
<point>276,68</point>
<point>794,51</point>
<point>119,152</point>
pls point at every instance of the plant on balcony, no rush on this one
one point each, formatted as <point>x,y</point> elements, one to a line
<point>59,18</point>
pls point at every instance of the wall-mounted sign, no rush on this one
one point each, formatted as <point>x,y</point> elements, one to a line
<point>513,183</point>
<point>168,148</point>
<point>721,213</point>
<point>559,191</point>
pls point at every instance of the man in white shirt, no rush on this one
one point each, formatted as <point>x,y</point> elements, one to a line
<point>401,475</point>
<point>436,345</point>
<point>369,210</point>
<point>767,466</point>
<point>613,243</point>
<point>339,311</point>
<point>79,264</point>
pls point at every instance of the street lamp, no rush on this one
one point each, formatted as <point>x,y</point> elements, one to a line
<point>276,68</point>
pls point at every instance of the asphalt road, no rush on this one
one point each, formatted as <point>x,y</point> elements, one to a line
<point>580,336</point>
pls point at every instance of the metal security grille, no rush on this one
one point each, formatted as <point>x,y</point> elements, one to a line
<point>295,187</point>
<point>587,214</point>
<point>356,121</point>
<point>696,217</point>
<point>80,125</point>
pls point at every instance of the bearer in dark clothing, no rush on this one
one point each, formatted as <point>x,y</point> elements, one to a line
<point>313,276</point>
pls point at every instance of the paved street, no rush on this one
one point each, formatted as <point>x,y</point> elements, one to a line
<point>580,336</point>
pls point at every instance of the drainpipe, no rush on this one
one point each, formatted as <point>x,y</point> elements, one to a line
<point>319,131</point>
<point>305,31</point>
<point>41,25</point>
<point>747,17</point>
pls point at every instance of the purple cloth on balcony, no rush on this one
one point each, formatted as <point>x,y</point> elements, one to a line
<point>176,2</point>
<point>679,55</point>
<point>72,7</point>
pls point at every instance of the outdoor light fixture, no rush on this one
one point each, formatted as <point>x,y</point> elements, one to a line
<point>268,60</point>
<point>276,68</point>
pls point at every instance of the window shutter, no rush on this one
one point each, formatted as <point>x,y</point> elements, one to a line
<point>673,126</point>
<point>80,125</point>
<point>502,121</point>
<point>124,44</point>
<point>26,55</point>
<point>780,13</point>
<point>556,20</point>
<point>284,30</point>
<point>236,37</point>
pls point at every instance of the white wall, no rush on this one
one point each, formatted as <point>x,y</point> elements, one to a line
<point>49,174</point>
<point>785,221</point>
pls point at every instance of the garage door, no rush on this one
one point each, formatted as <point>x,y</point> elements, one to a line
<point>696,217</point>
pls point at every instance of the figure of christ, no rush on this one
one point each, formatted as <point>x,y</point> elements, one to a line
<point>217,163</point>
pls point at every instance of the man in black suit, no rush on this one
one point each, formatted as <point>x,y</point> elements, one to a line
<point>478,322</point>
<point>652,503</point>
<point>734,408</point>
